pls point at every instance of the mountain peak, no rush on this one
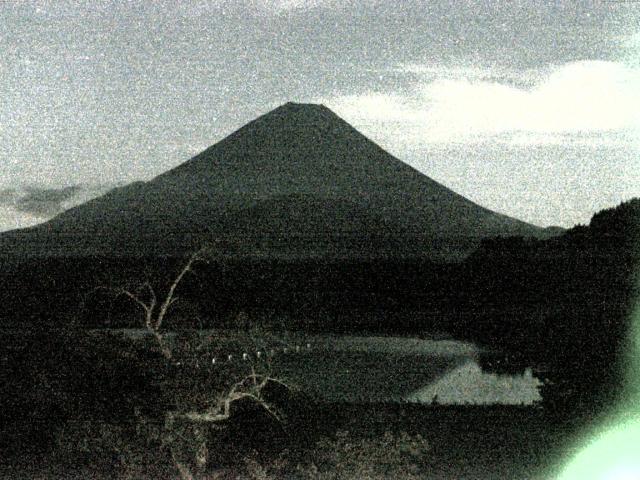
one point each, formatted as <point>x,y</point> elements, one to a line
<point>305,112</point>
<point>298,179</point>
<point>309,107</point>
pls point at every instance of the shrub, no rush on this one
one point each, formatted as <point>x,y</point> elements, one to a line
<point>346,457</point>
<point>62,375</point>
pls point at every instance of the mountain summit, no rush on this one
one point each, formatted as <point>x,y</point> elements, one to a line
<point>296,182</point>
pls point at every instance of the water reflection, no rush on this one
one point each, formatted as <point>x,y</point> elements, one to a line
<point>469,384</point>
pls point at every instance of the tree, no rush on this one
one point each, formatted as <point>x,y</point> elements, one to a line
<point>185,425</point>
<point>155,310</point>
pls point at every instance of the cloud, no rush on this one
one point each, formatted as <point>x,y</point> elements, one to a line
<point>37,202</point>
<point>458,105</point>
<point>45,202</point>
<point>30,205</point>
<point>500,74</point>
<point>378,107</point>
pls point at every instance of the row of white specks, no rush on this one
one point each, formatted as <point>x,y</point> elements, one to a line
<point>259,354</point>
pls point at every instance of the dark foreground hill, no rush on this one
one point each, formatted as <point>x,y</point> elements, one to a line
<point>296,182</point>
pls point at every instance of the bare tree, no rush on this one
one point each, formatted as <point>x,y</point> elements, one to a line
<point>250,388</point>
<point>155,310</point>
<point>189,425</point>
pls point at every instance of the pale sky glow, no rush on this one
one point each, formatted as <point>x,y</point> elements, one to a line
<point>530,109</point>
<point>589,97</point>
<point>11,218</point>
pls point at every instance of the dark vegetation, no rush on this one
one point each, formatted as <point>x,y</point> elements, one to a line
<point>561,305</point>
<point>53,375</point>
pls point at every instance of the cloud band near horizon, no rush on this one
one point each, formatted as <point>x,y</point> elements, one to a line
<point>595,101</point>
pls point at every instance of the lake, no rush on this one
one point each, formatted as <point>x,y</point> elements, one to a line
<point>373,368</point>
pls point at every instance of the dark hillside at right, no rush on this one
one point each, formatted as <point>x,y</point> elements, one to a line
<point>563,304</point>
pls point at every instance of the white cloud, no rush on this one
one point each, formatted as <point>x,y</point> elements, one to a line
<point>498,73</point>
<point>26,206</point>
<point>592,98</point>
<point>378,107</point>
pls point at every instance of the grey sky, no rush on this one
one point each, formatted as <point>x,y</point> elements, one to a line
<point>529,108</point>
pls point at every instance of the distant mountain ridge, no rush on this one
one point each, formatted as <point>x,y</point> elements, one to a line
<point>297,181</point>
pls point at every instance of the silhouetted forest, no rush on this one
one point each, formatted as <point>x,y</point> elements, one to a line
<point>561,303</point>
<point>564,303</point>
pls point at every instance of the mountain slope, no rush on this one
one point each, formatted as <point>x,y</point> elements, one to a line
<point>298,180</point>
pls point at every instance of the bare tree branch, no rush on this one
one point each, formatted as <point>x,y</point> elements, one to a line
<point>154,312</point>
<point>147,308</point>
<point>169,299</point>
